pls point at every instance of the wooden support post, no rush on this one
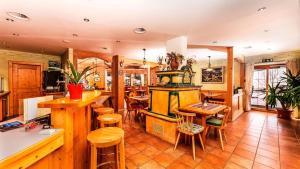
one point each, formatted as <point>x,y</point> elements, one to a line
<point>117,84</point>
<point>229,77</point>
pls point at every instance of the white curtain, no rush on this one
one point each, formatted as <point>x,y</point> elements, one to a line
<point>248,85</point>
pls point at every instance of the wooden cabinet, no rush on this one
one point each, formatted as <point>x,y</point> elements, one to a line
<point>3,105</point>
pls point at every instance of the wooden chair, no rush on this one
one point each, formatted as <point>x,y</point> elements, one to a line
<point>186,126</point>
<point>131,106</point>
<point>219,124</point>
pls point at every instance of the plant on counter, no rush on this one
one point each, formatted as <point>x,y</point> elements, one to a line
<point>74,80</point>
<point>288,95</point>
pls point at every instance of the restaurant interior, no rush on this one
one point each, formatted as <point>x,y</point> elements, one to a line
<point>150,84</point>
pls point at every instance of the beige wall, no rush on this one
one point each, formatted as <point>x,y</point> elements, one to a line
<point>215,63</point>
<point>6,55</point>
<point>236,74</point>
<point>282,56</point>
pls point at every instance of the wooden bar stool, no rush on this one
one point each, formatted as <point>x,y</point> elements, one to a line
<point>104,138</point>
<point>108,119</point>
<point>104,110</point>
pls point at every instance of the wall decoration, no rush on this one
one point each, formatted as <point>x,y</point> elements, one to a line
<point>216,75</point>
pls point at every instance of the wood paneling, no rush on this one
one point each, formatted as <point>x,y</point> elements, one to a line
<point>229,76</point>
<point>25,81</point>
<point>75,118</point>
<point>118,86</point>
<point>3,105</point>
<point>79,54</point>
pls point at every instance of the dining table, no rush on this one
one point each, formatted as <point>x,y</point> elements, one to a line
<point>204,110</point>
<point>140,98</point>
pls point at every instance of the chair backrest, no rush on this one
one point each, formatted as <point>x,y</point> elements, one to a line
<point>185,120</point>
<point>128,102</point>
<point>217,102</point>
<point>226,115</point>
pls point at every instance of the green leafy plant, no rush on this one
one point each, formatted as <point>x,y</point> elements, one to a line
<point>293,83</point>
<point>74,76</point>
<point>288,95</point>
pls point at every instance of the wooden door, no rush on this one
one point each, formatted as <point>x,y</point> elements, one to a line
<point>25,81</point>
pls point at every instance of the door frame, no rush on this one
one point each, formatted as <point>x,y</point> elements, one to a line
<point>267,68</point>
<point>10,80</point>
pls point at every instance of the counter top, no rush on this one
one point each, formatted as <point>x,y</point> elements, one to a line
<point>87,98</point>
<point>17,143</point>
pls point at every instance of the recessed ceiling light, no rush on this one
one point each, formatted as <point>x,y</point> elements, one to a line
<point>66,41</point>
<point>86,19</point>
<point>248,47</point>
<point>15,34</point>
<point>118,41</point>
<point>139,30</point>
<point>266,30</point>
<point>269,49</point>
<point>215,42</point>
<point>104,48</point>
<point>262,9</point>
<point>18,15</point>
<point>9,20</point>
<point>75,35</point>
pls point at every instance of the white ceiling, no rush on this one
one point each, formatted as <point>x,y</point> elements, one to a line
<point>229,22</point>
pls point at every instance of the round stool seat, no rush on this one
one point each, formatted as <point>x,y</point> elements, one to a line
<point>106,137</point>
<point>104,110</point>
<point>110,119</point>
<point>95,106</point>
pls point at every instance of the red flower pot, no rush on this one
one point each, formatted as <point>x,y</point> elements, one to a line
<point>75,91</point>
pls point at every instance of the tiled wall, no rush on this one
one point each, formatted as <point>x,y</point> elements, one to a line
<point>6,55</point>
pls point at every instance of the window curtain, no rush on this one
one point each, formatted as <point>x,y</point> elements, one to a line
<point>294,65</point>
<point>248,85</point>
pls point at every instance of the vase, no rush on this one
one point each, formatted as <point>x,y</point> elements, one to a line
<point>75,91</point>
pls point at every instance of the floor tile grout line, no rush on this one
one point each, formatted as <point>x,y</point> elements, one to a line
<point>238,143</point>
<point>259,139</point>
<point>279,146</point>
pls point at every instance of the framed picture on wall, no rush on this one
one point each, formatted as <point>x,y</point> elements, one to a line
<point>216,75</point>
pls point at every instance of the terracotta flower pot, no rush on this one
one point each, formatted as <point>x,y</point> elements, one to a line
<point>284,114</point>
<point>75,91</point>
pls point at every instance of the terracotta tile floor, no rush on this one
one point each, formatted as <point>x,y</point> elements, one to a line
<point>256,140</point>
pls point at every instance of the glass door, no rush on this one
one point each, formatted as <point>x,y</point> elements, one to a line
<point>263,76</point>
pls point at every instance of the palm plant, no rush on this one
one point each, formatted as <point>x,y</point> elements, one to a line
<point>75,76</point>
<point>293,83</point>
<point>279,93</point>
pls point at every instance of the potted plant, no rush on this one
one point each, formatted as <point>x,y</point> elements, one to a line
<point>74,80</point>
<point>293,82</point>
<point>288,95</point>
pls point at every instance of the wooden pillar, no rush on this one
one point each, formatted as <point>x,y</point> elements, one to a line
<point>117,84</point>
<point>229,77</point>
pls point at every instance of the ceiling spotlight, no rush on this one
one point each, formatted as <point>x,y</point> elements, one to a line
<point>118,41</point>
<point>104,48</point>
<point>15,34</point>
<point>262,9</point>
<point>18,15</point>
<point>269,49</point>
<point>75,35</point>
<point>9,20</point>
<point>139,30</point>
<point>247,47</point>
<point>266,30</point>
<point>215,42</point>
<point>86,19</point>
<point>66,41</point>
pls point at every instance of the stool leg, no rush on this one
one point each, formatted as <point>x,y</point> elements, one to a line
<point>122,154</point>
<point>117,156</point>
<point>93,157</point>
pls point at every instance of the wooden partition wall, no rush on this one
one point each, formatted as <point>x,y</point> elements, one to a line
<point>117,74</point>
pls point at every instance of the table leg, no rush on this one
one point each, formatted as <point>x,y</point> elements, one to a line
<point>203,121</point>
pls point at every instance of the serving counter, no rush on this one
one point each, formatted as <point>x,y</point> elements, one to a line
<point>20,149</point>
<point>74,116</point>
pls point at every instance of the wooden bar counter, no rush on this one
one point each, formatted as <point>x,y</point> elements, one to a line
<point>74,116</point>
